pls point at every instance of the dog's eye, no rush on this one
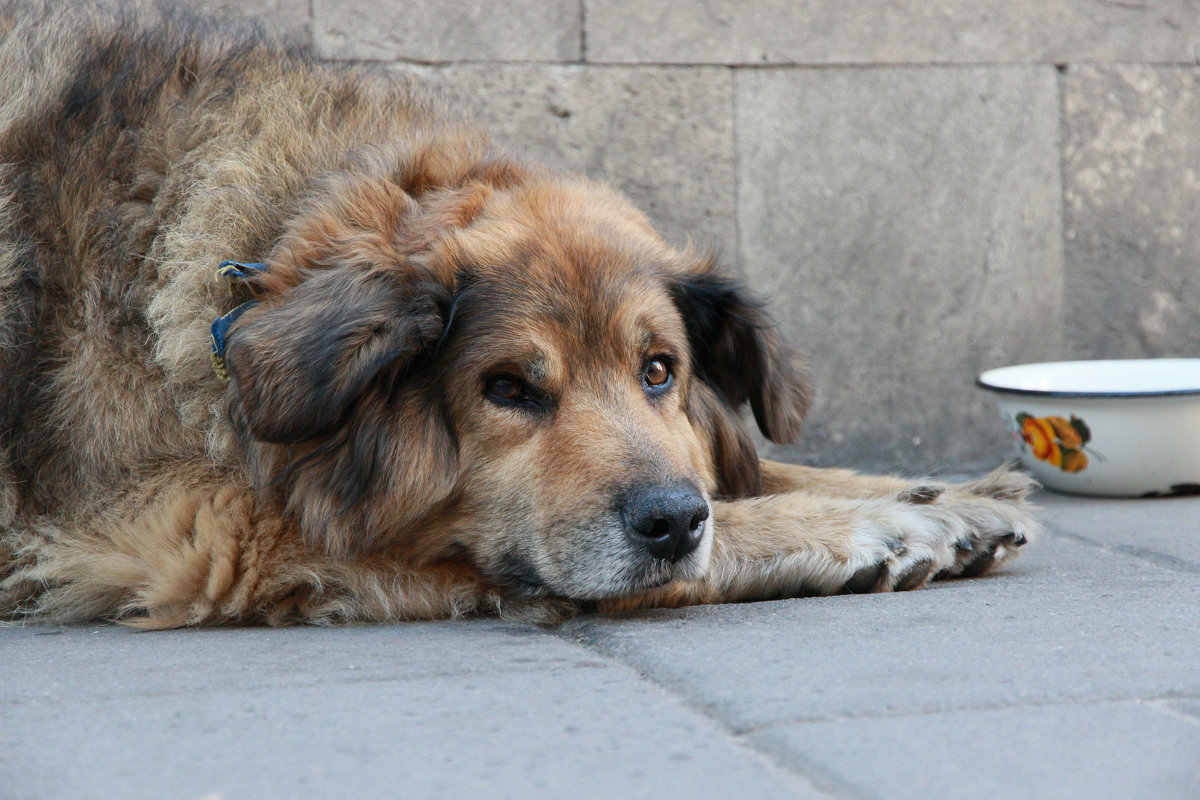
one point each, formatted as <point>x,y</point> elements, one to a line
<point>509,390</point>
<point>657,375</point>
<point>506,387</point>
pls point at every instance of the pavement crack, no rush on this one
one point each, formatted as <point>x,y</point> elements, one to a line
<point>1133,551</point>
<point>814,781</point>
<point>1156,701</point>
<point>1164,706</point>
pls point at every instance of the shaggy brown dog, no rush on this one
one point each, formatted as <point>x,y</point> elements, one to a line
<point>466,383</point>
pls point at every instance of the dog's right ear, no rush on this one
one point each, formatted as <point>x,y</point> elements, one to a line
<point>298,365</point>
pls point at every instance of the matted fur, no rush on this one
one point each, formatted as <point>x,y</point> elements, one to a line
<point>361,464</point>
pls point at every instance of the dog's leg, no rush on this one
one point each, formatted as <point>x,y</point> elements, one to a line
<point>779,478</point>
<point>893,537</point>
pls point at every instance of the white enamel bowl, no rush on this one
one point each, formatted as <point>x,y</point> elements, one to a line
<point>1129,428</point>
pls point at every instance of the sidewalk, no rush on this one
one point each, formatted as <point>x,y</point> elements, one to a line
<point>1074,673</point>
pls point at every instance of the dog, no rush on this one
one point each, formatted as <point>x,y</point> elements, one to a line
<point>289,341</point>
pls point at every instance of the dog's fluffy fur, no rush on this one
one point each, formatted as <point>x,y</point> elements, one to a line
<point>451,386</point>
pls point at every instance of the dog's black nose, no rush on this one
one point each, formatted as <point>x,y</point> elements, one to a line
<point>667,520</point>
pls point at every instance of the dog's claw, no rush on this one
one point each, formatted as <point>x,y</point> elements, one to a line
<point>1014,538</point>
<point>866,579</point>
<point>964,545</point>
<point>896,546</point>
<point>979,565</point>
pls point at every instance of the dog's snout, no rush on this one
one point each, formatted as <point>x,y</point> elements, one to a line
<point>667,520</point>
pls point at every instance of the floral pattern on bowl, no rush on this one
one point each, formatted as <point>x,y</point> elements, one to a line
<point>1056,440</point>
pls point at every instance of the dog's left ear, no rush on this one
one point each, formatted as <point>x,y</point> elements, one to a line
<point>737,351</point>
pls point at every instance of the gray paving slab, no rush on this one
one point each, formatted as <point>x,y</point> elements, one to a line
<point>1067,622</point>
<point>905,224</point>
<point>1131,167</point>
<point>1098,751</point>
<point>664,137</point>
<point>890,31</point>
<point>75,663</point>
<point>479,709</point>
<point>1163,529</point>
<point>433,31</point>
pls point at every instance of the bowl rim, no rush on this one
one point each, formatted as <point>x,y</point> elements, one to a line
<point>981,381</point>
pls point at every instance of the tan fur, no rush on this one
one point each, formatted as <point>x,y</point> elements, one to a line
<point>360,465</point>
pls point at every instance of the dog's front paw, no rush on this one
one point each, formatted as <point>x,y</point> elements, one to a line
<point>933,530</point>
<point>998,517</point>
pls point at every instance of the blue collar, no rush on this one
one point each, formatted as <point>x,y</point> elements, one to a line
<point>231,271</point>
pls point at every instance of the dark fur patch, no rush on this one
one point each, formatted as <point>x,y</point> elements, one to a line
<point>21,357</point>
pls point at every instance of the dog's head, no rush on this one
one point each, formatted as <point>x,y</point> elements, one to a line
<point>515,372</point>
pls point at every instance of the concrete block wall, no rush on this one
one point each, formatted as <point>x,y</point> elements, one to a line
<point>921,188</point>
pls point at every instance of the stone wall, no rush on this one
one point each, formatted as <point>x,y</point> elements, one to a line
<point>921,188</point>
